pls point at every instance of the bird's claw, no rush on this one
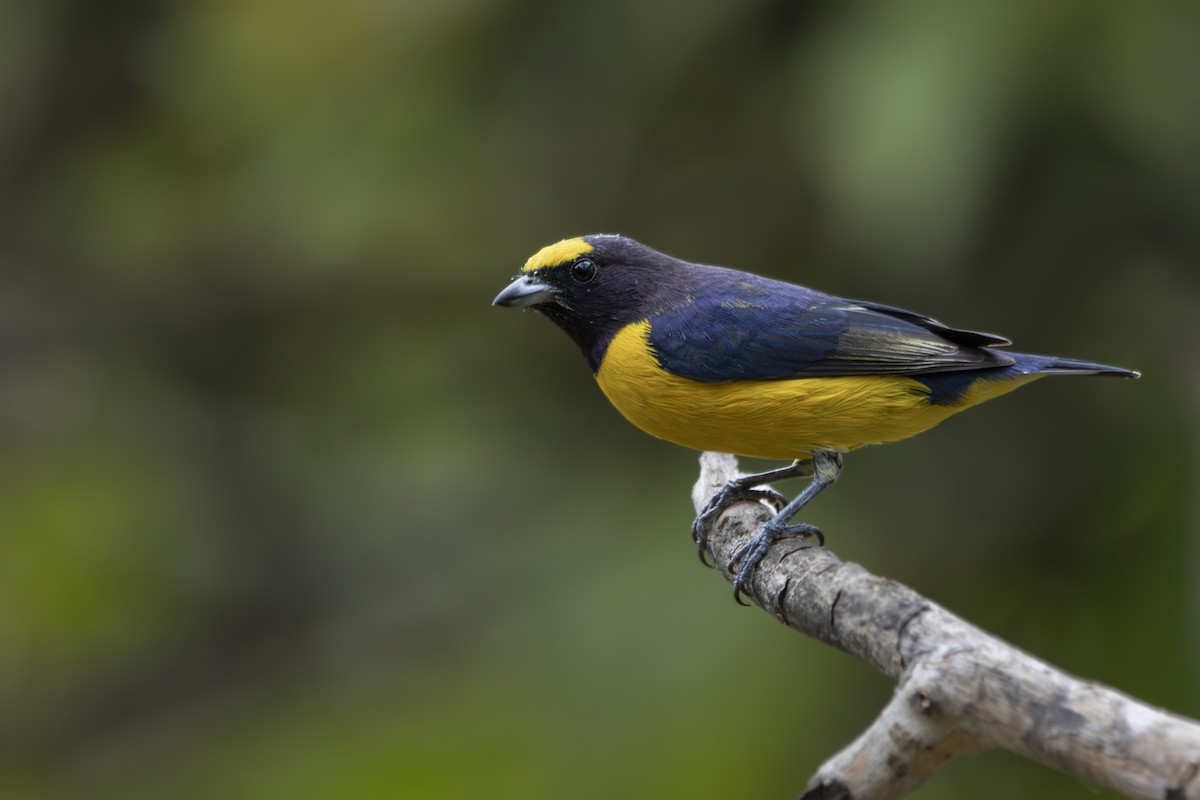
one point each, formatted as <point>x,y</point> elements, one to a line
<point>754,550</point>
<point>732,492</point>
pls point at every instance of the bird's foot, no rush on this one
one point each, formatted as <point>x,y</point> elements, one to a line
<point>753,551</point>
<point>734,491</point>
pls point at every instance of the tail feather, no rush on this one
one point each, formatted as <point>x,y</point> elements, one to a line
<point>953,388</point>
<point>1026,364</point>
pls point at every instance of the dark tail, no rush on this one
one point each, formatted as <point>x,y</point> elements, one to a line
<point>1026,364</point>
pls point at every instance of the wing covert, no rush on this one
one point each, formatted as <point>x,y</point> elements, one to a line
<point>796,334</point>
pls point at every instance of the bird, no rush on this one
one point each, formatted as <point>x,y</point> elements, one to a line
<point>713,358</point>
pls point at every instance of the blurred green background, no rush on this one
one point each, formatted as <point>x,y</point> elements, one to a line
<point>287,510</point>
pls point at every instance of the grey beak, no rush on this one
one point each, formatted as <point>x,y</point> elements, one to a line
<point>525,291</point>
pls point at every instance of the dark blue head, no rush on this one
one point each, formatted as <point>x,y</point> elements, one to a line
<point>593,286</point>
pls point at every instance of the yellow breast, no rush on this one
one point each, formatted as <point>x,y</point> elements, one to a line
<point>784,419</point>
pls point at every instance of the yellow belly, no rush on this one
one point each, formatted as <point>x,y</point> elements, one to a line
<point>784,419</point>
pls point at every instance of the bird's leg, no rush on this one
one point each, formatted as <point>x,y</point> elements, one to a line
<point>827,466</point>
<point>741,490</point>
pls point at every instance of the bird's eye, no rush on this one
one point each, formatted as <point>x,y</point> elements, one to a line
<point>583,270</point>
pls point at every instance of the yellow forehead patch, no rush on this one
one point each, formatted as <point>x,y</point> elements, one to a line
<point>557,253</point>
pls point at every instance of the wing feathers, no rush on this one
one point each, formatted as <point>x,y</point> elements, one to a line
<point>793,333</point>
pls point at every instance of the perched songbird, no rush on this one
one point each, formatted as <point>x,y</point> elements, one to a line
<point>716,359</point>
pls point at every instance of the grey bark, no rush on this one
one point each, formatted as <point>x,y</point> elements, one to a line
<point>959,689</point>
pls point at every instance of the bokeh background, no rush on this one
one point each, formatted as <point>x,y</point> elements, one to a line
<point>287,510</point>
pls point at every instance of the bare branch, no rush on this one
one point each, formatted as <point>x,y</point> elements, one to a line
<point>959,689</point>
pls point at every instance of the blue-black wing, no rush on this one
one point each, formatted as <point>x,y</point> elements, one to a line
<point>764,330</point>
